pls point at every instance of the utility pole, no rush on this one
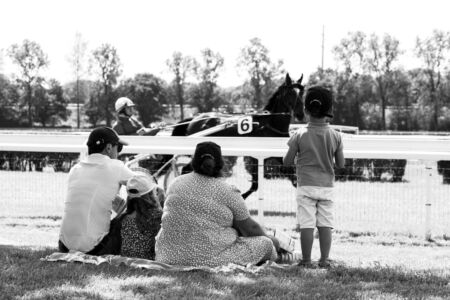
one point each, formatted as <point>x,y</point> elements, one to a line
<point>78,102</point>
<point>323,44</point>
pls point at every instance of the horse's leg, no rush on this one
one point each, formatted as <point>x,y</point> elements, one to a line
<point>251,165</point>
<point>229,163</point>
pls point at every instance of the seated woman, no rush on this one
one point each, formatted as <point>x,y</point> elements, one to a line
<point>206,222</point>
<point>142,219</point>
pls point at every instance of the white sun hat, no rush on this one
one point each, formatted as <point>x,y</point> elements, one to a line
<point>140,184</point>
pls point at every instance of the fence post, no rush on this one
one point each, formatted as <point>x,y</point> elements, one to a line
<point>428,175</point>
<point>260,190</point>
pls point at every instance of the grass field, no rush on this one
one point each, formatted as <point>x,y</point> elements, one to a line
<point>378,247</point>
<point>367,267</point>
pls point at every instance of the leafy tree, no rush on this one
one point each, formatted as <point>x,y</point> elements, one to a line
<point>350,52</point>
<point>31,59</point>
<point>379,62</point>
<point>349,92</point>
<point>93,109</point>
<point>421,114</point>
<point>78,61</point>
<point>255,60</point>
<point>240,96</point>
<point>433,52</point>
<point>109,69</point>
<point>9,98</point>
<point>1,61</point>
<point>148,93</point>
<point>205,95</point>
<point>400,95</point>
<point>181,66</point>
<point>50,103</point>
<point>360,54</point>
<point>78,90</point>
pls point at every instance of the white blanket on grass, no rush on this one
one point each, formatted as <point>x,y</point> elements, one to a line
<point>116,260</point>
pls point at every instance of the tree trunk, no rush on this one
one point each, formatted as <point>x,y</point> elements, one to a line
<point>434,101</point>
<point>107,117</point>
<point>434,118</point>
<point>30,106</point>
<point>180,100</point>
<point>383,103</point>
<point>78,103</point>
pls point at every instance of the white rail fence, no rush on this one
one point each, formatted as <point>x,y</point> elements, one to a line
<point>421,152</point>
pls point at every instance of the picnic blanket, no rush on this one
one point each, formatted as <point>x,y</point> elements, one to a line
<point>116,260</point>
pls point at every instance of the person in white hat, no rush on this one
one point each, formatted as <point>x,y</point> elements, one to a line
<point>92,188</point>
<point>126,124</point>
<point>142,219</point>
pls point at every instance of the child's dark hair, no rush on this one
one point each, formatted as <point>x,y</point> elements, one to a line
<point>319,102</point>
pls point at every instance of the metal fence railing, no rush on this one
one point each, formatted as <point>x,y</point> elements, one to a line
<point>394,188</point>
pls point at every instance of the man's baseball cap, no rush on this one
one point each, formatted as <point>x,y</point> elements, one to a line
<point>104,135</point>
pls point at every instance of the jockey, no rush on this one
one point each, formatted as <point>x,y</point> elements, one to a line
<point>126,124</point>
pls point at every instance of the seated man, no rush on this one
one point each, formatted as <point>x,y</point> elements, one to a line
<point>126,124</point>
<point>92,189</point>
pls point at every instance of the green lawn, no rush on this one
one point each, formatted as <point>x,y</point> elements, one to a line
<point>367,268</point>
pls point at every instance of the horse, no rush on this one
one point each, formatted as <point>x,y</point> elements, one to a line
<point>283,107</point>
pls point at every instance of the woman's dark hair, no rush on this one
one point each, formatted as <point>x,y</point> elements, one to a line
<point>208,159</point>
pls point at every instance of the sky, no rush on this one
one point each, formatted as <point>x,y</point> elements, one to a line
<point>147,32</point>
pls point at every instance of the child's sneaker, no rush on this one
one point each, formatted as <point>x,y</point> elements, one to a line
<point>305,263</point>
<point>325,263</point>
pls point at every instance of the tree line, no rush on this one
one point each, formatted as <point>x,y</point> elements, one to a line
<point>372,91</point>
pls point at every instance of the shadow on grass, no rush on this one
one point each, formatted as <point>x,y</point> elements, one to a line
<point>24,275</point>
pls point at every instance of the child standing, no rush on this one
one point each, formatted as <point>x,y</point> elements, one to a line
<point>315,150</point>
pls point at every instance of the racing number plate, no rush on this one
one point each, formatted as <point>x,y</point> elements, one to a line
<point>245,125</point>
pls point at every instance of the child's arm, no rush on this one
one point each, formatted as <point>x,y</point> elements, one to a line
<point>288,159</point>
<point>339,159</point>
<point>339,156</point>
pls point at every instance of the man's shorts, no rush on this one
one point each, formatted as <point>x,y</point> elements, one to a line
<point>314,206</point>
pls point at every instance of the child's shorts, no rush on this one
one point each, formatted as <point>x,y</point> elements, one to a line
<point>315,206</point>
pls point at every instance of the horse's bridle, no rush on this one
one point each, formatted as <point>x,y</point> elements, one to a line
<point>291,86</point>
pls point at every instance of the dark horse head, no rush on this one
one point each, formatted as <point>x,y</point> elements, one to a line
<point>283,107</point>
<point>288,99</point>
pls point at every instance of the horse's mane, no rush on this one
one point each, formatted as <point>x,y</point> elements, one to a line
<point>272,101</point>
